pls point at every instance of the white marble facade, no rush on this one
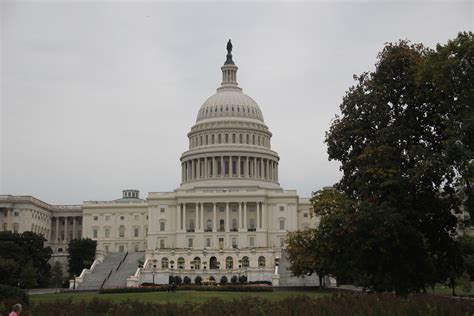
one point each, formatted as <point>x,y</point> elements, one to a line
<point>228,214</point>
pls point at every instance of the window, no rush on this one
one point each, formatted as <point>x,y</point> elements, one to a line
<point>15,228</point>
<point>212,139</point>
<point>162,244</point>
<point>252,242</point>
<point>94,233</point>
<point>121,231</point>
<point>234,224</point>
<point>197,263</point>
<point>261,261</point>
<point>208,242</point>
<point>221,243</point>
<point>96,218</point>
<point>305,215</point>
<point>282,208</point>
<point>245,262</point>
<point>135,232</point>
<point>122,218</point>
<point>107,218</point>
<point>252,224</point>
<point>209,225</point>
<point>233,138</point>
<point>229,263</point>
<point>190,242</point>
<point>135,248</point>
<point>107,233</point>
<point>248,138</point>
<point>219,138</point>
<point>15,214</point>
<point>162,226</point>
<point>136,217</point>
<point>181,263</point>
<point>106,248</point>
<point>282,224</point>
<point>240,139</point>
<point>282,242</point>
<point>164,263</point>
<point>162,210</point>
<point>234,243</point>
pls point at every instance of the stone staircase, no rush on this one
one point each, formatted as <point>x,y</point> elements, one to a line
<point>94,280</point>
<point>129,266</point>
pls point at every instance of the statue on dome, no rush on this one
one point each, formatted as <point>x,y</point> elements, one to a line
<point>229,47</point>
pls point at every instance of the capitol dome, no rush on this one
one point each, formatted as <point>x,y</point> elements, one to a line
<point>230,144</point>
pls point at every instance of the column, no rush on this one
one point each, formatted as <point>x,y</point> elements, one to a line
<point>258,215</point>
<point>238,167</point>
<point>57,230</point>
<point>74,227</point>
<point>184,217</point>
<point>267,168</point>
<point>222,171</point>
<point>246,167</point>
<point>227,217</point>
<point>193,171</point>
<point>65,228</point>
<point>202,216</point>
<point>264,216</point>
<point>240,216</point>
<point>182,173</point>
<point>214,219</point>
<point>196,221</point>
<point>214,167</point>
<point>178,217</point>
<point>262,175</point>
<point>245,216</point>
<point>9,220</point>
<point>254,167</point>
<point>276,172</point>
<point>206,171</point>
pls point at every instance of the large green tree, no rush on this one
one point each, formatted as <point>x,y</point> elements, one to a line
<point>20,250</point>
<point>404,141</point>
<point>81,255</point>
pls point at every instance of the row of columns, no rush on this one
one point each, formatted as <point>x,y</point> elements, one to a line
<point>229,166</point>
<point>65,237</point>
<point>242,218</point>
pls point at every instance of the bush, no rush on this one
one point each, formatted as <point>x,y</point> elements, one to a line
<point>234,280</point>
<point>187,280</point>
<point>242,279</point>
<point>198,280</point>
<point>178,280</point>
<point>260,282</point>
<point>10,295</point>
<point>224,280</point>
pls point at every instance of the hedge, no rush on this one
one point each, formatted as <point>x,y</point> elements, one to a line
<point>190,287</point>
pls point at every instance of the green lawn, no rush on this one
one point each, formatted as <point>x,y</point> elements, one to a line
<point>177,297</point>
<point>443,289</point>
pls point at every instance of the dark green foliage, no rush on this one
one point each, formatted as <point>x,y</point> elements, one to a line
<point>10,295</point>
<point>234,279</point>
<point>243,279</point>
<point>189,287</point>
<point>198,280</point>
<point>28,277</point>
<point>466,248</point>
<point>81,255</point>
<point>178,280</point>
<point>57,275</point>
<point>17,251</point>
<point>223,280</point>
<point>186,280</point>
<point>343,304</point>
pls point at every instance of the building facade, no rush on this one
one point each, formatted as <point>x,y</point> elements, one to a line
<point>229,215</point>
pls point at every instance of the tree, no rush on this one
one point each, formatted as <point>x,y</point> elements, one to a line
<point>178,280</point>
<point>186,280</point>
<point>28,277</point>
<point>234,280</point>
<point>198,280</point>
<point>81,255</point>
<point>57,275</point>
<point>19,250</point>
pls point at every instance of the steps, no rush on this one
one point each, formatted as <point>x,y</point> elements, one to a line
<point>94,280</point>
<point>127,268</point>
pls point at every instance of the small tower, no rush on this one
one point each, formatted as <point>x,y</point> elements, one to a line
<point>131,194</point>
<point>229,71</point>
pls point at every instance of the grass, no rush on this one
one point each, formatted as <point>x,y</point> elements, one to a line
<point>177,297</point>
<point>445,290</point>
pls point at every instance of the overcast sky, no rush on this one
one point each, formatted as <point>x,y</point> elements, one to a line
<point>97,97</point>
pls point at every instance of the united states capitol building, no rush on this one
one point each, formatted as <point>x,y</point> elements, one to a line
<point>230,216</point>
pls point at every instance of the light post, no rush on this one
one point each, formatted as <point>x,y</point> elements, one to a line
<point>74,286</point>
<point>153,273</point>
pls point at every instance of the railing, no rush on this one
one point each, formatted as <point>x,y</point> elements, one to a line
<point>121,261</point>
<point>105,280</point>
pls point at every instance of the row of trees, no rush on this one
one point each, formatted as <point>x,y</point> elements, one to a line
<point>405,141</point>
<point>24,260</point>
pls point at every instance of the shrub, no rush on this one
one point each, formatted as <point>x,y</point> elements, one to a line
<point>186,280</point>
<point>242,279</point>
<point>224,280</point>
<point>234,280</point>
<point>198,280</point>
<point>260,282</point>
<point>178,280</point>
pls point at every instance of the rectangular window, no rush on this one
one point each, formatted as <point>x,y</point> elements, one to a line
<point>107,218</point>
<point>135,232</point>
<point>135,248</point>
<point>107,233</point>
<point>96,218</point>
<point>305,215</point>
<point>190,243</point>
<point>94,233</point>
<point>282,225</point>
<point>282,208</point>
<point>162,210</point>
<point>162,226</point>
<point>252,242</point>
<point>234,242</point>
<point>15,214</point>
<point>121,248</point>
<point>221,243</point>
<point>208,242</point>
<point>106,248</point>
<point>162,244</point>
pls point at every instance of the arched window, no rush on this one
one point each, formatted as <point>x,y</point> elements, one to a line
<point>253,139</point>
<point>245,262</point>
<point>233,138</point>
<point>219,138</point>
<point>261,261</point>
<point>197,263</point>
<point>207,139</point>
<point>229,263</point>
<point>212,138</point>
<point>241,139</point>
<point>181,263</point>
<point>248,138</point>
<point>209,225</point>
<point>164,263</point>
<point>252,224</point>
<point>121,231</point>
<point>226,138</point>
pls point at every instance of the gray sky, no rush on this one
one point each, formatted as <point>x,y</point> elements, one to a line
<point>99,96</point>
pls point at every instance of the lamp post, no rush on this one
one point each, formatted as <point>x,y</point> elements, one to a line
<point>74,286</point>
<point>153,273</point>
